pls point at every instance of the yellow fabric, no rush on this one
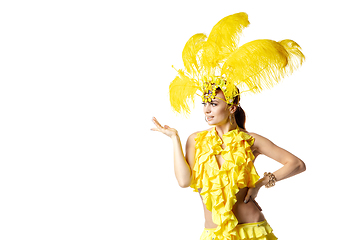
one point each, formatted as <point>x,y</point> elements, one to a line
<point>255,231</point>
<point>220,185</point>
<point>251,67</point>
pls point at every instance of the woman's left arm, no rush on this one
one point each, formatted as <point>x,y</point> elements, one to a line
<point>292,164</point>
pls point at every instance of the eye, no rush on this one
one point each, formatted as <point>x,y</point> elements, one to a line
<point>214,104</point>
<point>203,103</point>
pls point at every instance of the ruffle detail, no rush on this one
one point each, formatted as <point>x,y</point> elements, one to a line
<point>246,231</point>
<point>261,231</point>
<point>220,185</point>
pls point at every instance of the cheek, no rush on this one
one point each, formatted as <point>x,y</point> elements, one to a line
<point>216,111</point>
<point>219,111</point>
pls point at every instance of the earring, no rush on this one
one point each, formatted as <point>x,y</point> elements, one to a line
<point>231,119</point>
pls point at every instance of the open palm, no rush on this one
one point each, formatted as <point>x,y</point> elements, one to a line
<point>168,131</point>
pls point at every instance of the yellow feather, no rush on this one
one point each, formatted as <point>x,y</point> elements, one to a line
<point>226,33</point>
<point>190,52</point>
<point>296,57</point>
<point>223,40</point>
<point>182,93</point>
<point>262,63</point>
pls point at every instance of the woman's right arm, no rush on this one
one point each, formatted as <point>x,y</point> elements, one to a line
<point>182,164</point>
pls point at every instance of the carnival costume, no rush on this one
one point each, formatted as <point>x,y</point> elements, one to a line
<point>220,185</point>
<point>218,62</point>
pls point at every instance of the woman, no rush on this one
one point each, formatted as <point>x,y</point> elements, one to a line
<point>218,162</point>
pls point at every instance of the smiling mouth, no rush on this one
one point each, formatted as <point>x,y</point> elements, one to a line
<point>209,118</point>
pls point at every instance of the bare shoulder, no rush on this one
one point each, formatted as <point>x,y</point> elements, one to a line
<point>193,135</point>
<point>257,136</point>
<point>191,139</point>
<point>254,135</point>
<point>260,141</point>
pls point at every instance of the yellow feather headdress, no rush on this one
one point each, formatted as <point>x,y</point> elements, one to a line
<point>217,61</point>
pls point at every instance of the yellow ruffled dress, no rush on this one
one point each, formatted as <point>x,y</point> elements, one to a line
<point>220,185</point>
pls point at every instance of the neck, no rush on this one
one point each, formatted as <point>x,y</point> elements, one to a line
<point>223,129</point>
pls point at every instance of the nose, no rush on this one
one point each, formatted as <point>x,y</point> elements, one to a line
<point>207,108</point>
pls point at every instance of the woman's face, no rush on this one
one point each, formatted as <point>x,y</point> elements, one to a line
<point>217,111</point>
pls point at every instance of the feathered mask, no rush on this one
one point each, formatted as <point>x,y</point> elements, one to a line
<point>218,61</point>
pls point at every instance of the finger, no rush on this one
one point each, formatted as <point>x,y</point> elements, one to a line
<point>155,121</point>
<point>247,198</point>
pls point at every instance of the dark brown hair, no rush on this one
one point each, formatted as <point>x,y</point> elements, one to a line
<point>239,113</point>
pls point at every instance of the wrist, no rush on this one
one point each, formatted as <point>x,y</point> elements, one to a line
<point>262,182</point>
<point>270,179</point>
<point>175,137</point>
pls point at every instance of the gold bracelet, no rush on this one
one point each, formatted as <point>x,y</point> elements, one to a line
<point>272,179</point>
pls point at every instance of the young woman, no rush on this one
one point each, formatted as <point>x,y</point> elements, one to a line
<point>219,162</point>
<point>226,119</point>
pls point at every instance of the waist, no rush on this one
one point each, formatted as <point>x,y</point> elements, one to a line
<point>244,212</point>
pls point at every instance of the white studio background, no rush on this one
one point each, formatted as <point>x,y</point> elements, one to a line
<point>80,81</point>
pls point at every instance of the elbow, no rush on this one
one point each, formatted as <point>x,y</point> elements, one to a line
<point>184,184</point>
<point>301,166</point>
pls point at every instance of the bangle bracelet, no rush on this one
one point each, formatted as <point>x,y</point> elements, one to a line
<point>272,179</point>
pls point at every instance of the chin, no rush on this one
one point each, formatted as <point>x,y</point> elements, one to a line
<point>216,123</point>
<point>212,123</point>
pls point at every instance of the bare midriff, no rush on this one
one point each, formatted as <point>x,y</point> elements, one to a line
<point>244,212</point>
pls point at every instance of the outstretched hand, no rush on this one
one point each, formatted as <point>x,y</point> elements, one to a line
<point>168,131</point>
